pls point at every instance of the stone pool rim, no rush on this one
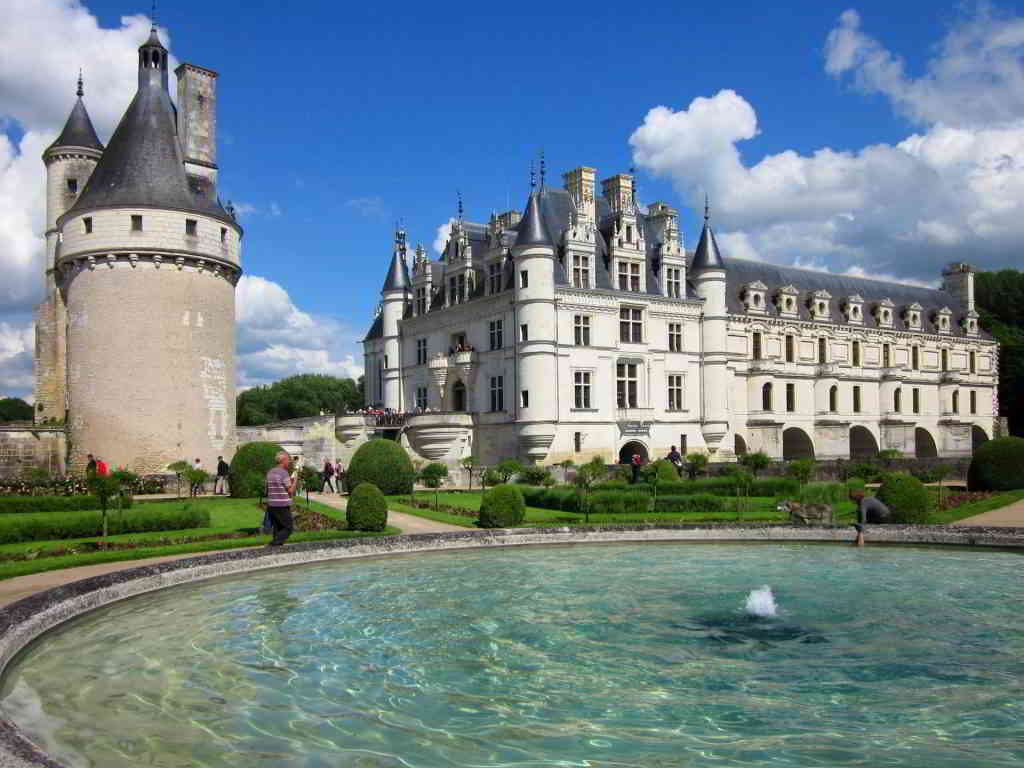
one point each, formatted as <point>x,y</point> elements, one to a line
<point>25,620</point>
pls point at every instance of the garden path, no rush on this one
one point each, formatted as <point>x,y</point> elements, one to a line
<point>407,523</point>
<point>1010,516</point>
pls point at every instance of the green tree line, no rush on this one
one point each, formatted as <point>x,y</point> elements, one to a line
<point>1000,299</point>
<point>304,395</point>
<point>14,409</point>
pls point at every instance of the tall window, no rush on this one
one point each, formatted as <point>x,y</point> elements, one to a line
<point>755,345</point>
<point>791,397</point>
<point>577,441</point>
<point>973,362</point>
<point>457,289</point>
<point>581,389</point>
<point>524,278</point>
<point>87,223</point>
<point>629,276</point>
<point>524,332</point>
<point>581,330</point>
<point>822,350</point>
<point>497,393</point>
<point>421,398</point>
<point>945,359</point>
<point>675,337</point>
<point>626,385</point>
<point>580,270</point>
<point>915,399</point>
<point>674,282</point>
<point>790,352</point>
<point>855,353</point>
<point>421,351</point>
<point>494,277</point>
<point>856,398</point>
<point>956,401</point>
<point>766,397</point>
<point>191,227</point>
<point>136,223</point>
<point>524,398</point>
<point>915,358</point>
<point>675,392</point>
<point>886,356</point>
<point>973,396</point>
<point>421,301</point>
<point>897,400</point>
<point>495,330</point>
<point>631,325</point>
<point>833,399</point>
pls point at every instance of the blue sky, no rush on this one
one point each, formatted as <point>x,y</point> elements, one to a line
<point>338,119</point>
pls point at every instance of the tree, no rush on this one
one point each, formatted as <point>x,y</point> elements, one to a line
<point>196,477</point>
<point>179,468</point>
<point>15,409</point>
<point>1000,299</point>
<point>303,395</point>
<point>586,476</point>
<point>566,465</point>
<point>433,476</point>
<point>801,469</point>
<point>756,461</point>
<point>105,488</point>
<point>508,468</point>
<point>469,464</point>
<point>696,463</point>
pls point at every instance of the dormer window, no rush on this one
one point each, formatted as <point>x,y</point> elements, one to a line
<point>754,296</point>
<point>785,300</point>
<point>943,320</point>
<point>819,303</point>
<point>970,323</point>
<point>912,316</point>
<point>884,313</point>
<point>853,309</point>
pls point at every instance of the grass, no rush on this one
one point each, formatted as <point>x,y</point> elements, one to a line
<point>228,517</point>
<point>977,507</point>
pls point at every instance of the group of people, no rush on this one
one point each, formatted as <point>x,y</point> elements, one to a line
<point>220,484</point>
<point>331,476</point>
<point>96,466</point>
<point>638,462</point>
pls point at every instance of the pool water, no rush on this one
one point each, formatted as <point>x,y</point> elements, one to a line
<point>614,655</point>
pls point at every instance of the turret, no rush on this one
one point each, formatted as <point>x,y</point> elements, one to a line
<point>707,271</point>
<point>534,259</point>
<point>394,298</point>
<point>152,62</point>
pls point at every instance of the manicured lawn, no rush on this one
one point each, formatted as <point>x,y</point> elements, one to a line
<point>976,507</point>
<point>237,518</point>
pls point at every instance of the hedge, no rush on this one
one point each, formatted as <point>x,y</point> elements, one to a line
<point>823,493</point>
<point>619,503</point>
<point>247,478</point>
<point>997,465</point>
<point>694,504</point>
<point>502,507</point>
<point>906,497</point>
<point>719,486</point>
<point>81,525</point>
<point>367,509</point>
<point>383,463</point>
<point>10,505</point>
<point>559,499</point>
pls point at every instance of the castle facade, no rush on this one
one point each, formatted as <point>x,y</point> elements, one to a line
<point>135,339</point>
<point>584,328</point>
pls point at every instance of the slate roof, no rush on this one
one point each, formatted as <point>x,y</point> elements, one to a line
<point>532,229</point>
<point>78,130</point>
<point>398,275</point>
<point>707,255</point>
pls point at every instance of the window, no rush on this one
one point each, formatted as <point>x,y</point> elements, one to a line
<point>855,353</point>
<point>494,277</point>
<point>455,295</point>
<point>766,397</point>
<point>73,186</point>
<point>87,221</point>
<point>956,401</point>
<point>497,393</point>
<point>974,401</point>
<point>626,381</point>
<point>675,337</point>
<point>223,234</point>
<point>496,331</point>
<point>897,400</point>
<point>675,392</point>
<point>755,346</point>
<point>674,282</point>
<point>386,362</point>
<point>915,358</point>
<point>580,270</point>
<point>421,351</point>
<point>790,352</point>
<point>526,398</point>
<point>581,330</point>
<point>833,399</point>
<point>822,350</point>
<point>915,399</point>
<point>421,301</point>
<point>886,356</point>
<point>973,362</point>
<point>945,359</point>
<point>629,233</point>
<point>577,441</point>
<point>136,223</point>
<point>682,444</point>
<point>631,325</point>
<point>524,333</point>
<point>524,279</point>
<point>629,276</point>
<point>791,397</point>
<point>581,389</point>
<point>191,227</point>
<point>856,399</point>
<point>421,398</point>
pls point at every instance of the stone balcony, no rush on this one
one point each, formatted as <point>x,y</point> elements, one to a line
<point>892,373</point>
<point>763,365</point>
<point>827,370</point>
<point>437,434</point>
<point>951,377</point>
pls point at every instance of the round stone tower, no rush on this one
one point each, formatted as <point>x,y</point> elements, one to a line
<point>147,265</point>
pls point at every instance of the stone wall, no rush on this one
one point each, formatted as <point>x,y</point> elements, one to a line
<point>24,447</point>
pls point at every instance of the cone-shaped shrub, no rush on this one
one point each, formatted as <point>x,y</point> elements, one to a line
<point>502,507</point>
<point>998,465</point>
<point>383,463</point>
<point>248,474</point>
<point>367,509</point>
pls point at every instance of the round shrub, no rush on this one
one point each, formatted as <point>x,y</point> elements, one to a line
<point>502,507</point>
<point>383,463</point>
<point>248,475</point>
<point>367,509</point>
<point>906,497</point>
<point>997,465</point>
<point>666,471</point>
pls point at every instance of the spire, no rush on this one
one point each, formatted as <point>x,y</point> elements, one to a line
<point>81,91</point>
<point>398,275</point>
<point>532,229</point>
<point>543,169</point>
<point>707,256</point>
<point>78,130</point>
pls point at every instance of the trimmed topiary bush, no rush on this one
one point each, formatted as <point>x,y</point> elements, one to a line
<point>619,503</point>
<point>696,504</point>
<point>502,507</point>
<point>906,497</point>
<point>666,471</point>
<point>998,465</point>
<point>367,509</point>
<point>383,463</point>
<point>248,475</point>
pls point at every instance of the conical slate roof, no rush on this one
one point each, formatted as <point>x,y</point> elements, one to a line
<point>707,256</point>
<point>398,275</point>
<point>78,130</point>
<point>532,229</point>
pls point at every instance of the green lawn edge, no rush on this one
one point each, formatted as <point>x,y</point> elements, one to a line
<point>429,514</point>
<point>973,508</point>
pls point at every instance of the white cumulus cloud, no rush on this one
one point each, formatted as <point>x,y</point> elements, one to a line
<point>17,342</point>
<point>443,235</point>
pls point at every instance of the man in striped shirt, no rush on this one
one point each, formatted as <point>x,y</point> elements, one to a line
<point>280,488</point>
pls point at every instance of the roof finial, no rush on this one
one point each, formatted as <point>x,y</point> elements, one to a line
<point>459,194</point>
<point>153,14</point>
<point>81,91</point>
<point>543,168</point>
<point>707,208</point>
<point>533,176</point>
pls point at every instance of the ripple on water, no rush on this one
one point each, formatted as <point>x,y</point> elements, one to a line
<point>623,655</point>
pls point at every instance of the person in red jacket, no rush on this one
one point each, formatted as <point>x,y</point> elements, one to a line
<point>101,467</point>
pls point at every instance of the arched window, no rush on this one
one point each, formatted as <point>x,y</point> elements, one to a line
<point>897,400</point>
<point>956,401</point>
<point>156,60</point>
<point>833,399</point>
<point>766,397</point>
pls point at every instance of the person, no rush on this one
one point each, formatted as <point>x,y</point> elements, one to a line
<point>328,475</point>
<point>223,470</point>
<point>101,467</point>
<point>90,467</point>
<point>280,489</point>
<point>340,476</point>
<point>859,541</point>
<point>637,463</point>
<point>869,509</point>
<point>676,460</point>
<point>197,487</point>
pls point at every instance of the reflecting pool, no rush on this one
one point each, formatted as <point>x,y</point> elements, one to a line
<point>598,655</point>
